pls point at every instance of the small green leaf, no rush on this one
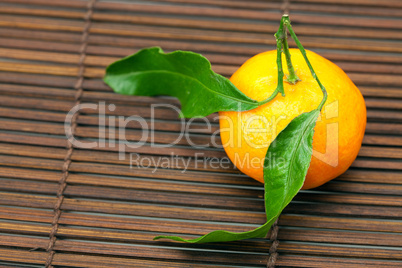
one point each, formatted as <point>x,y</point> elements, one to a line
<point>181,74</point>
<point>224,236</point>
<point>287,161</point>
<point>285,168</point>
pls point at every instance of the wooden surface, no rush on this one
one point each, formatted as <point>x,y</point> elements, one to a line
<point>52,57</point>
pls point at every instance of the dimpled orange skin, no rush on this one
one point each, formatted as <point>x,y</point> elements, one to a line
<point>339,130</point>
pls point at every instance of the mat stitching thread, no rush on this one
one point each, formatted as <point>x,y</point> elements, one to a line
<point>273,254</point>
<point>67,158</point>
<point>285,6</point>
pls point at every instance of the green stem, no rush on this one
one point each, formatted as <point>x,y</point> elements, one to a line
<point>279,87</point>
<point>301,48</point>
<point>292,78</point>
<point>282,34</point>
<point>282,43</point>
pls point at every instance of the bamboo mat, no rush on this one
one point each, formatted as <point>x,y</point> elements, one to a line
<point>71,207</point>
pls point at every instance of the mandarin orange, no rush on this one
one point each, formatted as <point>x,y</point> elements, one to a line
<point>339,130</point>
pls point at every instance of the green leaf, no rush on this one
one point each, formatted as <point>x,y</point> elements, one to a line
<point>181,74</point>
<point>224,236</point>
<point>285,168</point>
<point>287,161</point>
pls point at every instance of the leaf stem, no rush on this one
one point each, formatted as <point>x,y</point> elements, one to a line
<point>282,34</point>
<point>301,48</point>
<point>292,78</point>
<point>282,45</point>
<point>279,87</point>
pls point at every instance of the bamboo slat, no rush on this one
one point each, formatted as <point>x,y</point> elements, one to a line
<point>104,61</point>
<point>146,110</point>
<point>336,262</point>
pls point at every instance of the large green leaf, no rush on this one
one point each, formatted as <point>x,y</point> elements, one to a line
<point>285,168</point>
<point>287,161</point>
<point>181,74</point>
